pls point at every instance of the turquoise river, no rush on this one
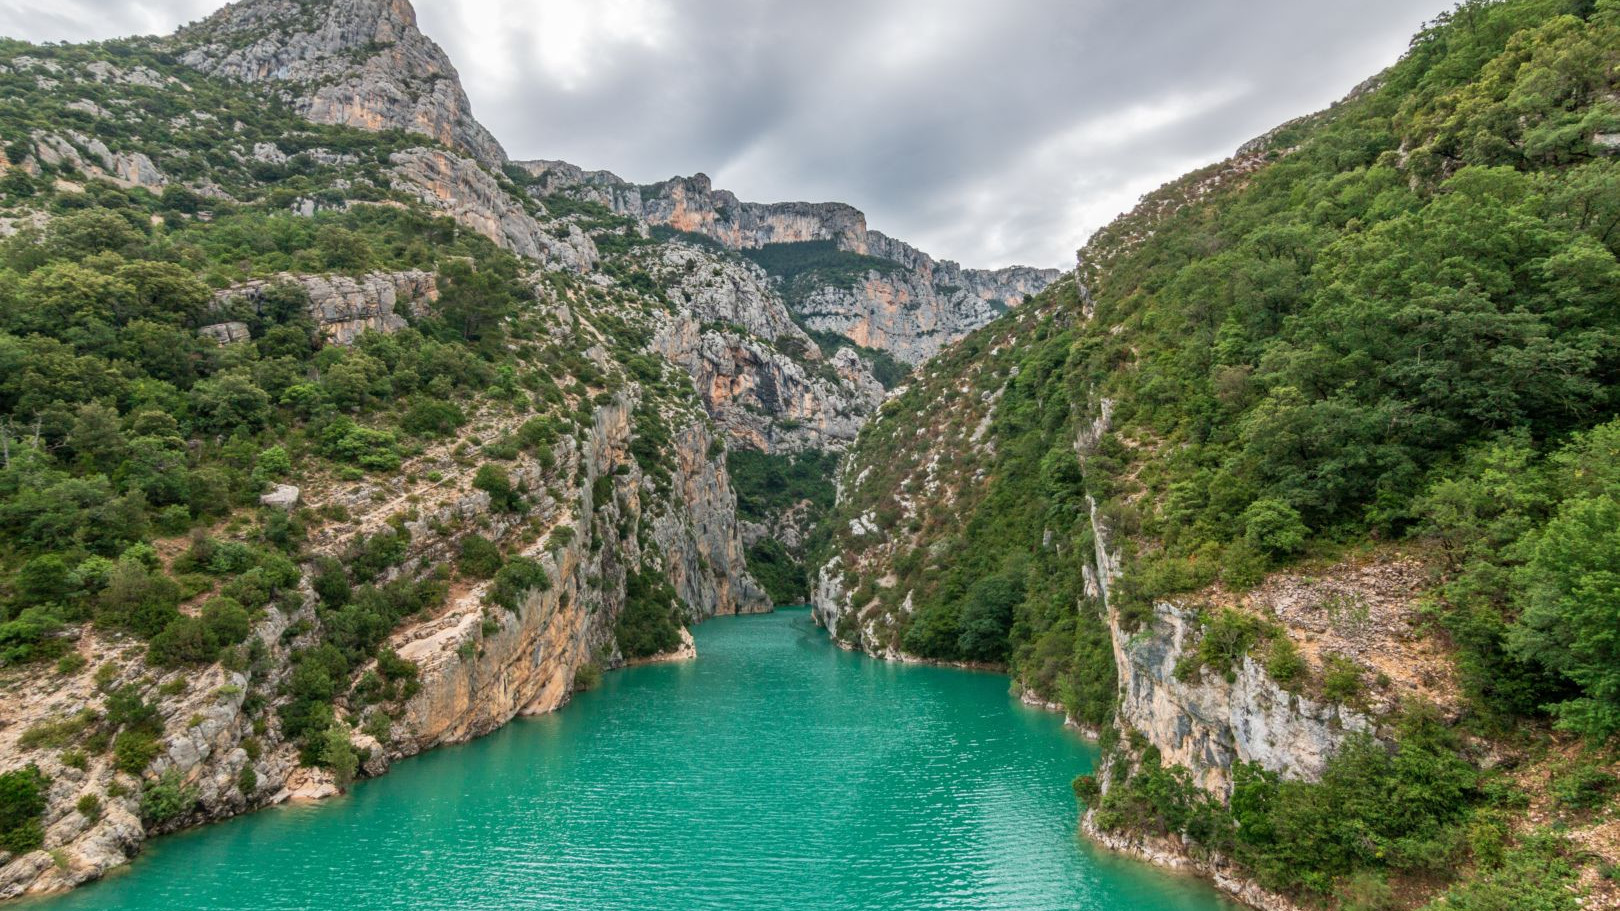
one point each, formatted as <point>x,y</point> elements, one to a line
<point>775,772</point>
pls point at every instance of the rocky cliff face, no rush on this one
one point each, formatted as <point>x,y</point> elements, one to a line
<point>766,384</point>
<point>465,191</point>
<point>477,677</point>
<point>915,312</point>
<point>359,63</point>
<point>1212,722</point>
<point>769,402</point>
<point>126,169</point>
<point>342,306</point>
<point>911,312</point>
<point>592,512</point>
<point>479,664</point>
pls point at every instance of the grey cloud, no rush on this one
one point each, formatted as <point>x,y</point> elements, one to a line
<point>988,131</point>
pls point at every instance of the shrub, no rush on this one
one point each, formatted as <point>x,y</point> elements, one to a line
<point>345,441</point>
<point>478,557</point>
<point>273,463</point>
<point>186,640</point>
<point>493,480</point>
<point>1243,566</point>
<point>337,754</point>
<point>1284,663</point>
<point>647,626</point>
<point>432,417</point>
<point>587,676</point>
<point>71,663</point>
<point>1274,527</point>
<point>1227,637</point>
<point>167,799</point>
<point>134,750</point>
<point>1366,890</point>
<point>22,803</point>
<point>55,733</point>
<point>1341,679</point>
<point>31,636</point>
<point>1537,876</point>
<point>1585,787</point>
<point>226,621</point>
<point>89,806</point>
<point>137,599</point>
<point>517,578</point>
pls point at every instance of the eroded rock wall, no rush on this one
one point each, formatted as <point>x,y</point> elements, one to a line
<point>912,312</point>
<point>465,191</point>
<point>480,665</point>
<point>358,63</point>
<point>343,306</point>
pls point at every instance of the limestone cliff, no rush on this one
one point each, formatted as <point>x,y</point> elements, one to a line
<point>359,63</point>
<point>344,307</point>
<point>469,193</point>
<point>766,384</point>
<point>911,311</point>
<point>126,169</point>
<point>476,676</point>
<point>479,664</point>
<point>643,360</point>
<point>915,312</point>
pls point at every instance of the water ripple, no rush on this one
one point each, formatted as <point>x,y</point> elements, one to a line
<point>777,772</point>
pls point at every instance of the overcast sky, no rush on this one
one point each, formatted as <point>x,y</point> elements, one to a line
<point>988,131</point>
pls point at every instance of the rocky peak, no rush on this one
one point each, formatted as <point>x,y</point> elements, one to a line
<point>911,312</point>
<point>693,204</point>
<point>359,63</point>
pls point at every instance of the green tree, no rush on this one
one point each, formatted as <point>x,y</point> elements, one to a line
<point>1571,609</point>
<point>987,617</point>
<point>474,302</point>
<point>517,578</point>
<point>22,804</point>
<point>338,755</point>
<point>1274,527</point>
<point>230,403</point>
<point>45,579</point>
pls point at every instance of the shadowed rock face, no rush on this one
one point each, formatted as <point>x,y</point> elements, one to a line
<point>359,63</point>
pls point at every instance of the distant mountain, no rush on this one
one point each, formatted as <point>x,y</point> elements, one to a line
<point>880,292</point>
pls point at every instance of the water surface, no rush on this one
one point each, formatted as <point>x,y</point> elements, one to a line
<point>775,772</point>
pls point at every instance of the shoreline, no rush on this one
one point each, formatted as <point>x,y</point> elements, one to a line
<point>1158,853</point>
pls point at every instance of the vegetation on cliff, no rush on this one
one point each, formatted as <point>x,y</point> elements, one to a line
<point>1393,321</point>
<point>136,441</point>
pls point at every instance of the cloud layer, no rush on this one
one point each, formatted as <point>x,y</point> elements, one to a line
<point>987,131</point>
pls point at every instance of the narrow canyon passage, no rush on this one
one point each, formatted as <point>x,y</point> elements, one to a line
<point>776,771</point>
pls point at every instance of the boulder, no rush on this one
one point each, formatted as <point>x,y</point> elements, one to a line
<point>285,496</point>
